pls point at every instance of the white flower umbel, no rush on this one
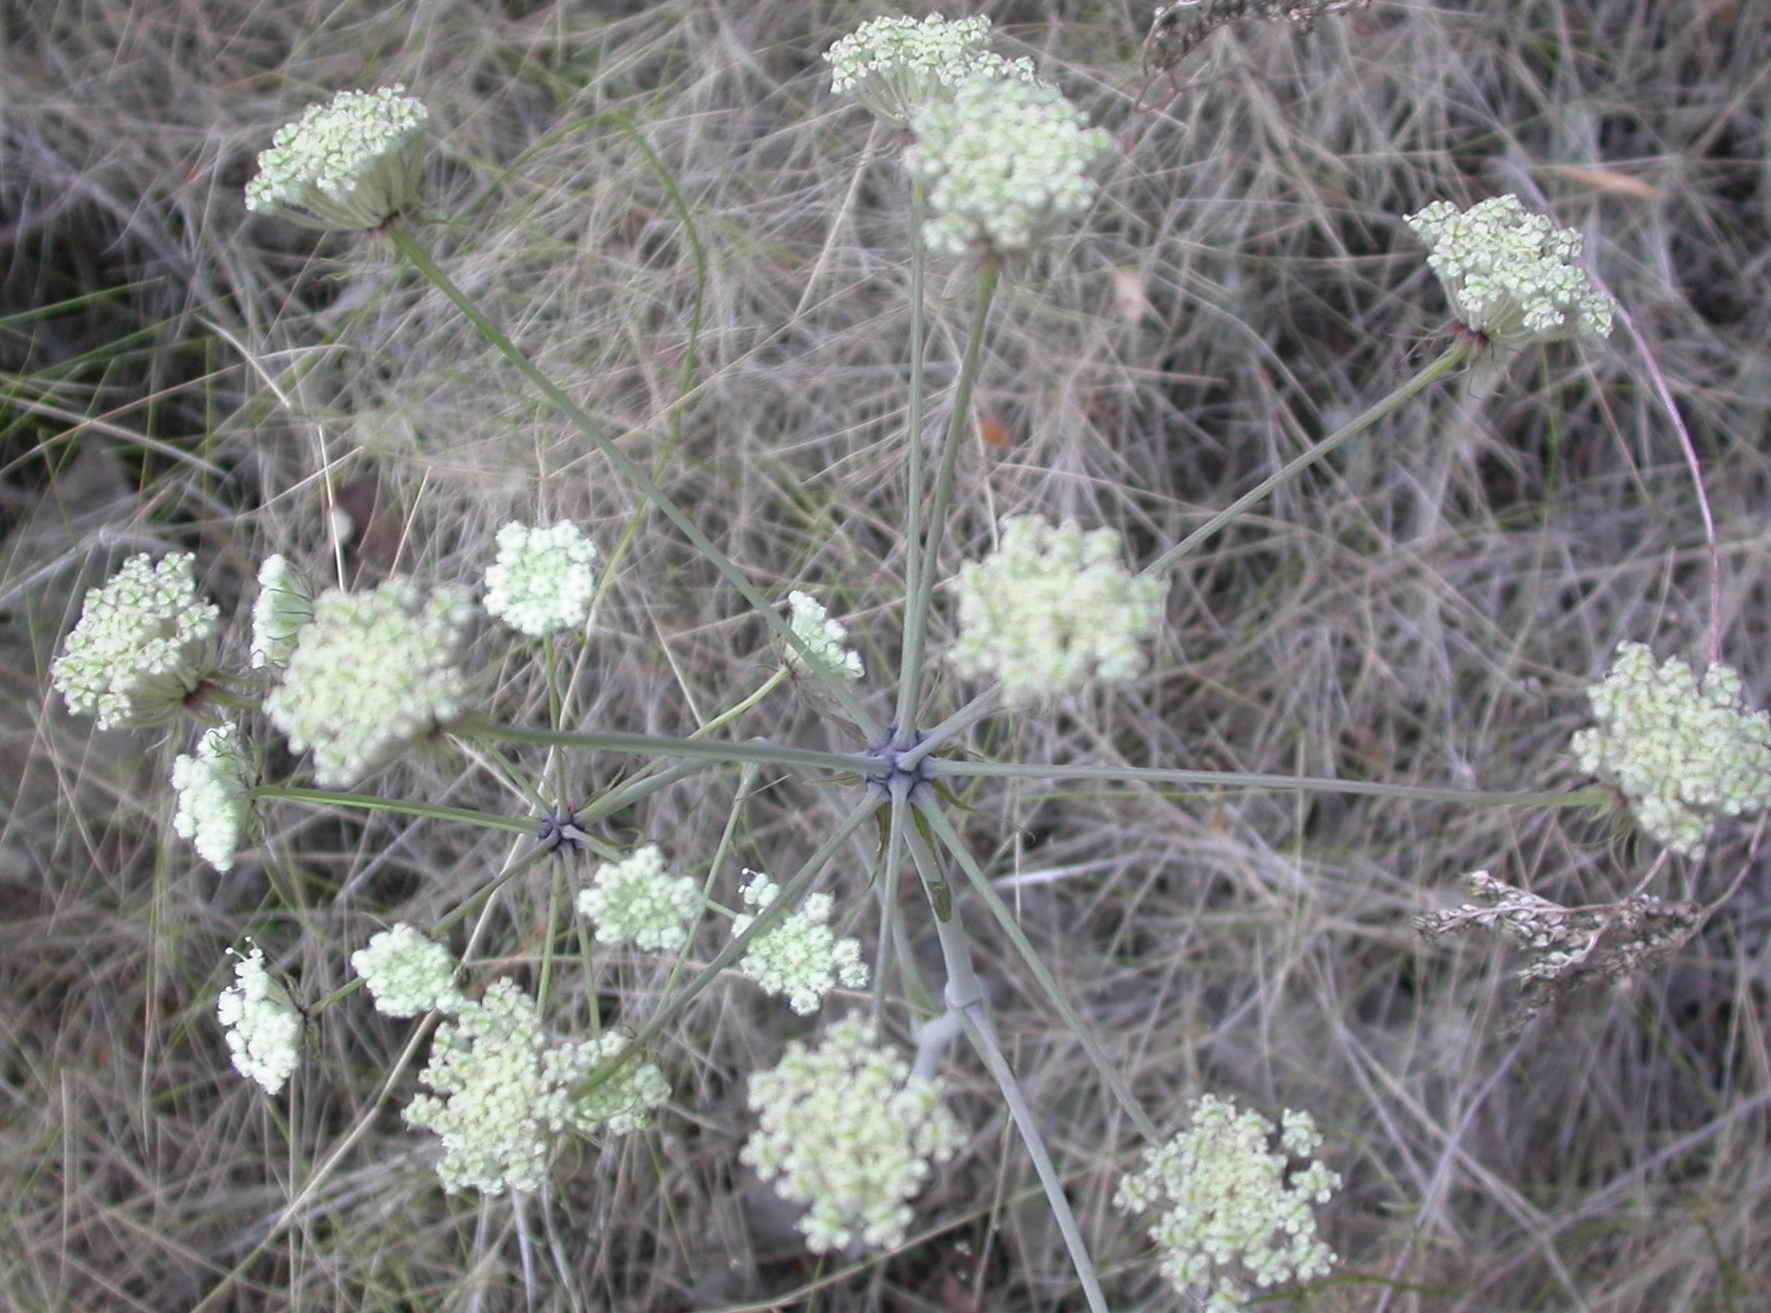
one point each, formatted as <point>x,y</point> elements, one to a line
<point>1051,609</point>
<point>1005,162</point>
<point>637,901</point>
<point>351,163</point>
<point>1511,276</point>
<point>1682,752</point>
<point>823,636</point>
<point>895,65</point>
<point>542,581</point>
<point>285,603</point>
<point>407,973</point>
<point>500,1090</point>
<point>1227,1211</point>
<point>214,795</point>
<point>801,957</point>
<point>263,1027</point>
<point>847,1129</point>
<point>370,673</point>
<point>139,648</point>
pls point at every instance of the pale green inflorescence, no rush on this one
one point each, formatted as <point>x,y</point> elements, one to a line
<point>1511,275</point>
<point>370,673</point>
<point>352,163</point>
<point>801,957</point>
<point>637,901</point>
<point>407,973</point>
<point>214,791</point>
<point>500,1090</point>
<point>895,65</point>
<point>139,647</point>
<point>823,636</point>
<point>1051,609</point>
<point>1683,753</point>
<point>1005,162</point>
<point>846,1128</point>
<point>263,1028</point>
<point>543,580</point>
<point>285,603</point>
<point>1227,1211</point>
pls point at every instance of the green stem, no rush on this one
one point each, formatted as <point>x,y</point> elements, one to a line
<point>632,472</point>
<point>1210,779</point>
<point>916,458</point>
<point>652,745</point>
<point>923,584</point>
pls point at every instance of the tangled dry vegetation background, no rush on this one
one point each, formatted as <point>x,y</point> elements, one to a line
<point>1427,610</point>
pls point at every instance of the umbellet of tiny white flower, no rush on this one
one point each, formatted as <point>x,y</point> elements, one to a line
<point>543,581</point>
<point>895,65</point>
<point>801,957</point>
<point>846,1128</point>
<point>407,973</point>
<point>351,163</point>
<point>370,673</point>
<point>1227,1211</point>
<point>1683,752</point>
<point>1511,276</point>
<point>1005,163</point>
<point>285,603</point>
<point>823,636</point>
<point>1051,609</point>
<point>263,1027</point>
<point>214,791</point>
<point>141,645</point>
<point>637,901</point>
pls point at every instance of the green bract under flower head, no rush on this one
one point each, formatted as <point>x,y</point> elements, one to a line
<point>894,66</point>
<point>847,1129</point>
<point>138,650</point>
<point>1004,162</point>
<point>351,163</point>
<point>214,795</point>
<point>1682,753</point>
<point>1225,1203</point>
<point>370,673</point>
<point>542,581</point>
<point>1052,608</point>
<point>1510,275</point>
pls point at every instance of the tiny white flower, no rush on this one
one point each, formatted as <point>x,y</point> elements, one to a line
<point>542,581</point>
<point>285,603</point>
<point>823,636</point>
<point>847,1129</point>
<point>407,973</point>
<point>1226,1207</point>
<point>801,957</point>
<point>139,648</point>
<point>370,673</point>
<point>895,65</point>
<point>637,901</point>
<point>500,1090</point>
<point>1052,608</point>
<point>1005,162</point>
<point>1684,754</point>
<point>1511,275</point>
<point>214,795</point>
<point>351,163</point>
<point>263,1027</point>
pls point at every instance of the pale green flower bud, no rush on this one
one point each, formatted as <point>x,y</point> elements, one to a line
<point>407,973</point>
<point>214,795</point>
<point>823,636</point>
<point>894,65</point>
<point>263,1027</point>
<point>801,957</point>
<point>285,603</point>
<point>637,901</point>
<point>542,582</point>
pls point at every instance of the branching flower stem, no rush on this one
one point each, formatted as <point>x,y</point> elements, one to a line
<point>630,470</point>
<point>923,583</point>
<point>653,745</point>
<point>965,998</point>
<point>911,671</point>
